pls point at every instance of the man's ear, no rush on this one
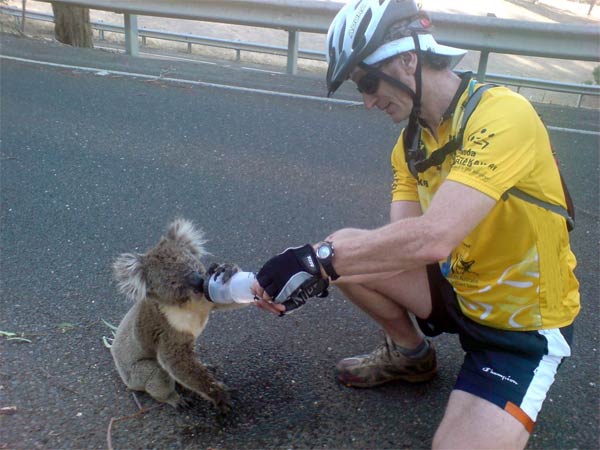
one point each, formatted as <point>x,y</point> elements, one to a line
<point>409,61</point>
<point>405,62</point>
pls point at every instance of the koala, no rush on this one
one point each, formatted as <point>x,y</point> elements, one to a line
<point>153,347</point>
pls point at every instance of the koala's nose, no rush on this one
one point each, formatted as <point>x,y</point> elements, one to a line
<point>196,281</point>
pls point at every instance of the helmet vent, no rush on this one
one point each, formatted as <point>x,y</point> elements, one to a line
<point>330,46</point>
<point>359,37</point>
<point>340,45</point>
<point>332,57</point>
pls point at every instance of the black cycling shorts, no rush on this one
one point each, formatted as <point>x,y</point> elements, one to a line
<point>512,369</point>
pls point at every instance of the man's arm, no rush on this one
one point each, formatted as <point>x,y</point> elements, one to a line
<point>407,243</point>
<point>398,210</point>
<point>404,209</point>
<point>455,211</point>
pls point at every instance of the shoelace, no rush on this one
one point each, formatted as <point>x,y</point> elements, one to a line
<point>386,347</point>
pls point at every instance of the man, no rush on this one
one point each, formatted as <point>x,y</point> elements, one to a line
<point>478,242</point>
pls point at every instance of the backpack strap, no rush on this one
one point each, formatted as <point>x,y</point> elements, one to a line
<point>439,155</point>
<point>568,201</point>
<point>544,204</point>
<point>471,105</point>
<point>412,145</point>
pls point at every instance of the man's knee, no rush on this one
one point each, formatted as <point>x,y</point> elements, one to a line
<point>472,422</point>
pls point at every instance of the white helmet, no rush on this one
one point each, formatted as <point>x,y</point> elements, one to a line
<point>357,32</point>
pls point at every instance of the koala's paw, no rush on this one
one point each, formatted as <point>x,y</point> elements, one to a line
<point>174,399</point>
<point>226,270</point>
<point>221,397</point>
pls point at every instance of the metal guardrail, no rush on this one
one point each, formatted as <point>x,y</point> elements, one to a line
<point>579,42</point>
<point>189,39</point>
<point>484,34</point>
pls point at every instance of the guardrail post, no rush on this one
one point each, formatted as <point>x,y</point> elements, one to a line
<point>292,60</point>
<point>131,35</point>
<point>483,60</point>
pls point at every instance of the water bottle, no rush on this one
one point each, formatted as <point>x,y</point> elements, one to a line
<point>236,290</point>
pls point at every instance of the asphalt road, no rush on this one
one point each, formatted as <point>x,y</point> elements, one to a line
<point>92,166</point>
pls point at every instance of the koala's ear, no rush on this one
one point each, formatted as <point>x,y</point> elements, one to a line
<point>184,232</point>
<point>130,278</point>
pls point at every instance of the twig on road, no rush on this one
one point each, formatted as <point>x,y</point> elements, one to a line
<point>3,157</point>
<point>8,410</point>
<point>131,416</point>
<point>137,402</point>
<point>51,378</point>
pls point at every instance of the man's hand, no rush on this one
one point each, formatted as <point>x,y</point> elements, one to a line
<point>284,273</point>
<point>283,276</point>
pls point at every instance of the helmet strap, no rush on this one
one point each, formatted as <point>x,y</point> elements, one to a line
<point>418,84</point>
<point>412,131</point>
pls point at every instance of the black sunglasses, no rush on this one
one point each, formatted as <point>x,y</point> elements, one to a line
<point>369,82</point>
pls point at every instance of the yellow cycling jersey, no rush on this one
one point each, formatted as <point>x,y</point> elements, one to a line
<point>514,271</point>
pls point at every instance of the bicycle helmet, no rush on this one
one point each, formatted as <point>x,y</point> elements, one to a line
<point>356,36</point>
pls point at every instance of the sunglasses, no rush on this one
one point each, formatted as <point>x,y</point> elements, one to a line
<point>369,82</point>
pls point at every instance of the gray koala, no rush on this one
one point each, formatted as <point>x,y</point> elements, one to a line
<point>153,347</point>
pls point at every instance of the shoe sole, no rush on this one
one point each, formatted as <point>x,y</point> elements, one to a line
<point>416,378</point>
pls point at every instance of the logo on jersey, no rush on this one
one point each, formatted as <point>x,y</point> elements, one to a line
<point>481,139</point>
<point>460,266</point>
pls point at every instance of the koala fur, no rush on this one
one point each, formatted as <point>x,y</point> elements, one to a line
<point>153,347</point>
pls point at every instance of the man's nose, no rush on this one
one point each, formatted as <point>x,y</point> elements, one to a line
<point>369,100</point>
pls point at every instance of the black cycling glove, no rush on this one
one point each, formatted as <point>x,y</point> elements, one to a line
<point>293,276</point>
<point>310,288</point>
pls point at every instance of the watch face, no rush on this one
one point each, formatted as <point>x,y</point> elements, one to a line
<point>323,252</point>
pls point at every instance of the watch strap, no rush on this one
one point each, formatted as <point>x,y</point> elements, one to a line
<point>327,263</point>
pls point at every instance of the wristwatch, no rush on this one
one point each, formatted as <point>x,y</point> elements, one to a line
<point>325,254</point>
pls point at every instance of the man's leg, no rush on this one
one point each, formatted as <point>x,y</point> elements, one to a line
<point>387,300</point>
<point>502,385</point>
<point>471,422</point>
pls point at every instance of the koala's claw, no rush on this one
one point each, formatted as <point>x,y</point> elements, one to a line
<point>212,369</point>
<point>224,408</point>
<point>185,403</point>
<point>221,398</point>
<point>227,270</point>
<point>233,394</point>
